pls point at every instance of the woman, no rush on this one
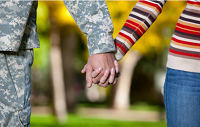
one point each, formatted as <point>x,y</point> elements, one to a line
<point>182,84</point>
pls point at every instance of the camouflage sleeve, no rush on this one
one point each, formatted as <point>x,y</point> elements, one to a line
<point>13,18</point>
<point>94,20</point>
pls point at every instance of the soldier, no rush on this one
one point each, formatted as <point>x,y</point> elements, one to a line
<point>18,37</point>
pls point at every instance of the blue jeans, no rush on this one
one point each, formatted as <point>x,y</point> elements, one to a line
<point>182,98</point>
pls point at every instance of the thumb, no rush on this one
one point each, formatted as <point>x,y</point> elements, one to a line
<point>89,76</point>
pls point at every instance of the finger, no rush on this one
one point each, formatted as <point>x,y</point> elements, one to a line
<point>115,81</point>
<point>89,76</point>
<point>103,85</point>
<point>96,80</point>
<point>96,72</point>
<point>105,77</point>
<point>112,76</point>
<point>116,66</point>
<point>84,69</point>
<point>117,75</point>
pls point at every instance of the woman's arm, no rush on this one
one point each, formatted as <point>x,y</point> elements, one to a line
<point>140,19</point>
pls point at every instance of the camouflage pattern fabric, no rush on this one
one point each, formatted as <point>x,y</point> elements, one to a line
<point>18,33</point>
<point>18,28</point>
<point>94,20</point>
<point>15,88</point>
<point>18,25</point>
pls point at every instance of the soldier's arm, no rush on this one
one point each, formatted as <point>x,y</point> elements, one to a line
<point>94,20</point>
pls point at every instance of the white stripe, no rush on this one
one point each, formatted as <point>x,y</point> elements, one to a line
<point>194,0</point>
<point>185,48</point>
<point>186,39</point>
<point>155,3</point>
<point>128,34</point>
<point>193,7</point>
<point>139,21</point>
<point>124,42</point>
<point>141,16</point>
<point>118,55</point>
<point>188,22</point>
<point>148,8</point>
<point>190,17</point>
<point>184,64</point>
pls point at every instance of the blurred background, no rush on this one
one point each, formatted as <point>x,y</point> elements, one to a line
<point>59,94</point>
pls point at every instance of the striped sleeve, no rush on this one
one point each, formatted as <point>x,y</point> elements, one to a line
<point>184,50</point>
<point>140,19</point>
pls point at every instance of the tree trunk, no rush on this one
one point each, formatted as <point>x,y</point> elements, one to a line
<point>122,91</point>
<point>59,100</point>
<point>68,48</point>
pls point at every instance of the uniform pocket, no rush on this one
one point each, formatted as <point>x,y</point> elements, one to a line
<point>24,115</point>
<point>19,67</point>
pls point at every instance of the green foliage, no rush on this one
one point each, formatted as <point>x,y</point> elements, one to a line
<point>43,24</point>
<point>42,54</point>
<point>78,121</point>
<point>145,107</point>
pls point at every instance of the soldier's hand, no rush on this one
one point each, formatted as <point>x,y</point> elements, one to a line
<point>101,69</point>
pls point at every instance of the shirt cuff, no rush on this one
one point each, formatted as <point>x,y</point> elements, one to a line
<point>101,44</point>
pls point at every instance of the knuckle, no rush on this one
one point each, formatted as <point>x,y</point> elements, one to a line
<point>102,81</point>
<point>95,81</point>
<point>113,74</point>
<point>103,85</point>
<point>87,79</point>
<point>88,67</point>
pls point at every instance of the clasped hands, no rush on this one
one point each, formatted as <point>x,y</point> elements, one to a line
<point>101,69</point>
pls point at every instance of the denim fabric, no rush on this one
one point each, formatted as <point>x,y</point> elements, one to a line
<point>182,98</point>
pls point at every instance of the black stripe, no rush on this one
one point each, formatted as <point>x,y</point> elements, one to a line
<point>186,35</point>
<point>184,51</point>
<point>158,2</point>
<point>141,19</point>
<point>189,20</point>
<point>144,14</point>
<point>122,44</point>
<point>191,13</point>
<point>138,36</point>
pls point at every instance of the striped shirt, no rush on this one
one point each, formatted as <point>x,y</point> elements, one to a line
<point>184,51</point>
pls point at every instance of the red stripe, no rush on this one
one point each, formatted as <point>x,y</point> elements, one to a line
<point>185,42</point>
<point>187,31</point>
<point>127,37</point>
<point>134,28</point>
<point>133,23</point>
<point>188,27</point>
<point>184,54</point>
<point>193,2</point>
<point>121,47</point>
<point>152,4</point>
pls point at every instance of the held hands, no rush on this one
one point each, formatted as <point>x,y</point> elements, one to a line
<point>101,69</point>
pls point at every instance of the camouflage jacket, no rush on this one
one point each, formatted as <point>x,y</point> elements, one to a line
<point>18,28</point>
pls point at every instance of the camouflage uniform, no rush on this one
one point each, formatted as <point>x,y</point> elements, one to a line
<point>18,36</point>
<point>15,88</point>
<point>94,21</point>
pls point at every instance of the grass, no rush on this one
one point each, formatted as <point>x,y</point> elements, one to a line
<point>77,121</point>
<point>141,106</point>
<point>145,107</point>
